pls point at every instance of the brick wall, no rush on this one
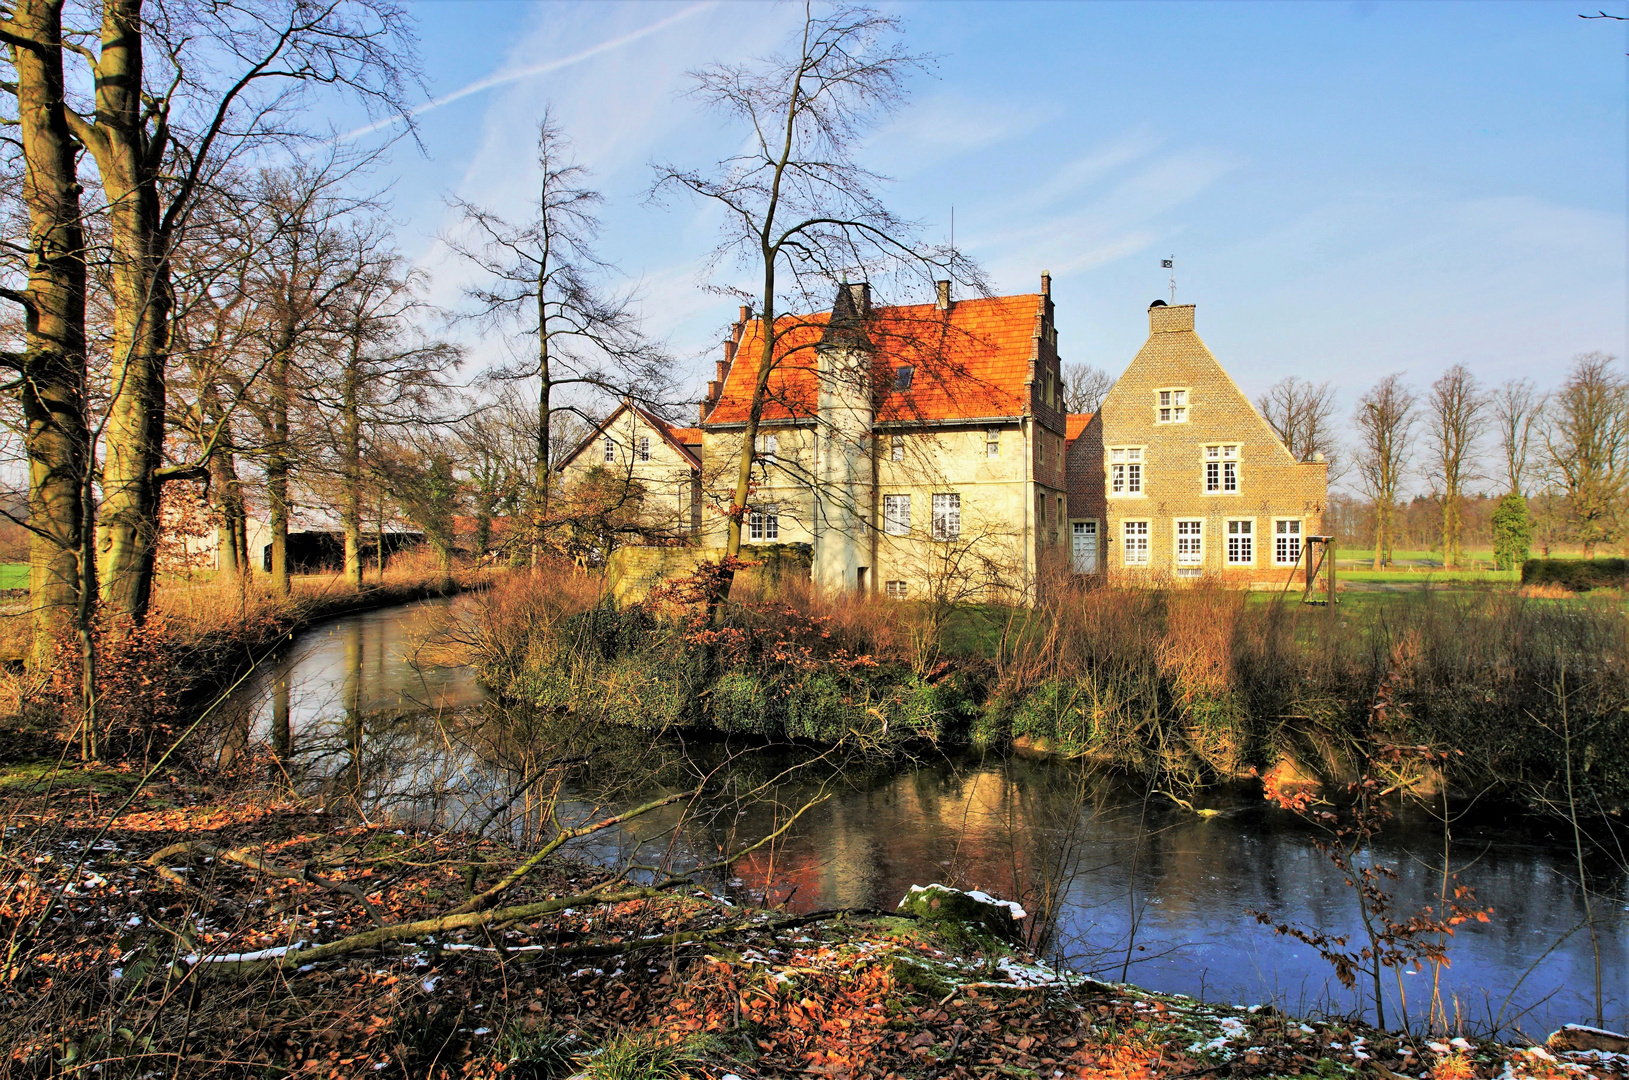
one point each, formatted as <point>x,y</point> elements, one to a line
<point>1271,486</point>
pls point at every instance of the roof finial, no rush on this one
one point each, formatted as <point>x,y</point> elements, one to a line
<point>1170,264</point>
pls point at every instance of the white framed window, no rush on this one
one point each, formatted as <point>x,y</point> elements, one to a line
<point>644,448</point>
<point>896,515</point>
<point>764,523</point>
<point>1286,541</point>
<point>1126,470</point>
<point>1134,542</point>
<point>1222,469</point>
<point>992,442</point>
<point>1173,406</point>
<point>1190,541</point>
<point>768,447</point>
<point>896,448</point>
<point>897,590</point>
<point>1241,542</point>
<point>947,517</point>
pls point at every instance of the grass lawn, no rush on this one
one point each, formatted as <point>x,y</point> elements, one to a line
<point>14,575</point>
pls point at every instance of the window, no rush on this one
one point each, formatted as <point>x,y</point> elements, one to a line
<point>1135,536</point>
<point>902,377</point>
<point>768,447</point>
<point>764,523</point>
<point>1126,470</point>
<point>1222,470</point>
<point>1040,450</point>
<point>992,442</point>
<point>644,448</point>
<point>896,450</point>
<point>1173,407</point>
<point>947,517</point>
<point>1286,542</point>
<point>1056,536</point>
<point>1241,543</point>
<point>896,515</point>
<point>1190,543</point>
<point>898,590</point>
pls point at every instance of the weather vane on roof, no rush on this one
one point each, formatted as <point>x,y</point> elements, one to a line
<point>1170,264</point>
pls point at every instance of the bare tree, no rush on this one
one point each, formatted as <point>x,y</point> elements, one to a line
<point>1586,449</point>
<point>180,90</point>
<point>541,276</point>
<point>1084,387</point>
<point>1385,422</point>
<point>794,199</point>
<point>51,370</point>
<point>1302,413</point>
<point>1518,409</point>
<point>1456,419</point>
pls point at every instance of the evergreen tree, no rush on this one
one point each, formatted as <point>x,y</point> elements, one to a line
<point>1512,532</point>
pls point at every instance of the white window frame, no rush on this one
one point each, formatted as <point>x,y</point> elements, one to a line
<point>1299,534</point>
<point>610,450</point>
<point>1141,547</point>
<point>896,448</point>
<point>947,516</point>
<point>644,448</point>
<point>896,515</point>
<point>769,447</point>
<point>992,442</point>
<point>1194,555</point>
<point>898,589</point>
<point>1246,541</point>
<point>764,524</point>
<point>1172,404</point>
<point>1221,469</point>
<point>1126,466</point>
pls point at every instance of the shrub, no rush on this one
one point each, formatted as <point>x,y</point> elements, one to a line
<point>1579,575</point>
<point>1512,532</point>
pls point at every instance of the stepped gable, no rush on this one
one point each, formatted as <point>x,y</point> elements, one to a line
<point>971,362</point>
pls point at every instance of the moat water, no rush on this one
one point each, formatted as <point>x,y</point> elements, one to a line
<point>1136,886</point>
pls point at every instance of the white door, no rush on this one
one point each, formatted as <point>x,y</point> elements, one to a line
<point>1084,549</point>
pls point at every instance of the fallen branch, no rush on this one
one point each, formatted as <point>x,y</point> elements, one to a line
<point>246,857</point>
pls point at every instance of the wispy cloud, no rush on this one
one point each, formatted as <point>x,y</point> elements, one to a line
<point>516,74</point>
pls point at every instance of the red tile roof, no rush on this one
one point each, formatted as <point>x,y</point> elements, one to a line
<point>1076,423</point>
<point>689,436</point>
<point>970,363</point>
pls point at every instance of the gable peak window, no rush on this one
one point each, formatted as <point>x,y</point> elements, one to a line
<point>610,449</point>
<point>644,448</point>
<point>902,377</point>
<point>1222,469</point>
<point>1173,406</point>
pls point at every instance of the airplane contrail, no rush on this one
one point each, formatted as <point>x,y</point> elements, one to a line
<point>541,69</point>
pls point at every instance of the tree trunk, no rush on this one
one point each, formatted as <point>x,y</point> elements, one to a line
<point>545,406</point>
<point>277,470</point>
<point>351,434</point>
<point>53,367</point>
<point>128,161</point>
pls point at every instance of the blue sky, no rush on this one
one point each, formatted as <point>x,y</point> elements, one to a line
<point>1349,189</point>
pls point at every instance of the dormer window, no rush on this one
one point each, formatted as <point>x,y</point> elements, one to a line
<point>902,377</point>
<point>1173,406</point>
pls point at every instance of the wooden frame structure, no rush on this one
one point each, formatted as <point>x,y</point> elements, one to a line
<point>1325,546</point>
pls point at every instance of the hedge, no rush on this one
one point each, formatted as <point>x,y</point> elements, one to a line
<point>1579,575</point>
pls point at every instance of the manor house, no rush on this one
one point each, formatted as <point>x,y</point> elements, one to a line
<point>924,452</point>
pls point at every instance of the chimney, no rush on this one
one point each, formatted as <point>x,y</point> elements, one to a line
<point>943,290</point>
<point>1046,283</point>
<point>1165,318</point>
<point>729,353</point>
<point>860,293</point>
<point>703,407</point>
<point>746,313</point>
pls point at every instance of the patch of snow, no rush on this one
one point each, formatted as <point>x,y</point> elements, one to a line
<point>431,983</point>
<point>233,958</point>
<point>1016,909</point>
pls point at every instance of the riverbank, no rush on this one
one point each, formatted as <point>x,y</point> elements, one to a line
<point>1503,694</point>
<point>176,946</point>
<point>199,641</point>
